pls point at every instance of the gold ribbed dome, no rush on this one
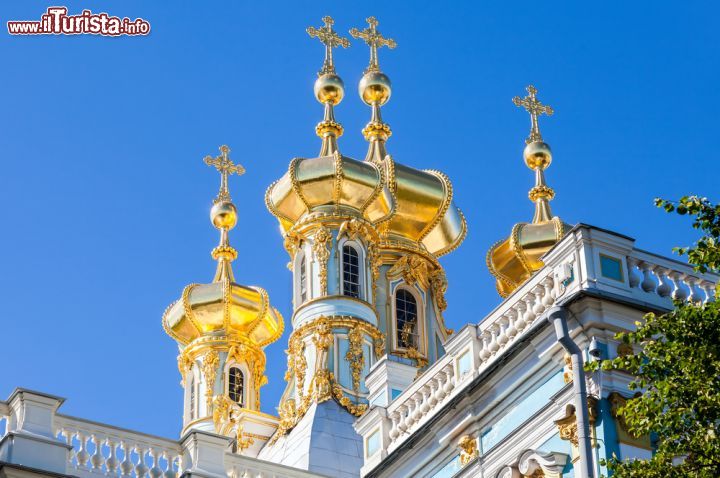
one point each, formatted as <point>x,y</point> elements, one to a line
<point>514,260</point>
<point>223,309</point>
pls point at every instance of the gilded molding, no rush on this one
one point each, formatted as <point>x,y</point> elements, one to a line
<point>337,187</point>
<point>187,308</point>
<point>292,170</point>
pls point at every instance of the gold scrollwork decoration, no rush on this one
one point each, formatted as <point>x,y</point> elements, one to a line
<point>321,241</point>
<point>413,269</point>
<point>355,356</point>
<point>209,370</point>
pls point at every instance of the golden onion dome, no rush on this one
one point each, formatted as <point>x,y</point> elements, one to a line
<point>223,309</point>
<point>416,205</point>
<point>514,260</point>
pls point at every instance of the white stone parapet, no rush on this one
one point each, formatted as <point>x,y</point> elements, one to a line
<point>589,260</point>
<point>38,437</point>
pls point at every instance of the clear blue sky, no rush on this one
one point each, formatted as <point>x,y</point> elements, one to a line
<point>105,198</point>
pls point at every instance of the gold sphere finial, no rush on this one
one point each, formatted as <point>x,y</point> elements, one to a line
<point>329,88</point>
<point>537,155</point>
<point>223,215</point>
<point>375,88</point>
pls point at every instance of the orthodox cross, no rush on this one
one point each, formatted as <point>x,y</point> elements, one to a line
<point>226,167</point>
<point>375,40</point>
<point>535,108</point>
<point>331,40</point>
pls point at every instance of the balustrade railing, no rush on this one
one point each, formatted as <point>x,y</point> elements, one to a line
<point>99,449</point>
<point>659,276</point>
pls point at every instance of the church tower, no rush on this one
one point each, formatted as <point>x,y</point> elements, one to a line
<point>221,329</point>
<point>364,237</point>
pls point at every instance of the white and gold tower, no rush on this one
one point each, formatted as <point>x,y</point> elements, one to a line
<point>364,237</point>
<point>221,329</point>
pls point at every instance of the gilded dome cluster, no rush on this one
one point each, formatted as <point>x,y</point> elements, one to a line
<point>413,207</point>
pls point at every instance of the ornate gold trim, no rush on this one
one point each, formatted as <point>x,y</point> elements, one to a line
<point>292,170</point>
<point>322,253</point>
<point>460,239</point>
<point>355,356</point>
<point>447,201</point>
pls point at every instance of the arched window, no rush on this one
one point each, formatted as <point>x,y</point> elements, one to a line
<point>351,272</point>
<point>406,319</point>
<point>192,396</point>
<point>236,385</point>
<point>303,281</point>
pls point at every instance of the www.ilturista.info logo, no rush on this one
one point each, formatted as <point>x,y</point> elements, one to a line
<point>57,22</point>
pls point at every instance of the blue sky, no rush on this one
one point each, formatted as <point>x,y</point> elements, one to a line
<point>105,198</point>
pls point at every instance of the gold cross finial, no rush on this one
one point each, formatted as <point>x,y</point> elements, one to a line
<point>331,40</point>
<point>226,167</point>
<point>535,108</point>
<point>375,40</point>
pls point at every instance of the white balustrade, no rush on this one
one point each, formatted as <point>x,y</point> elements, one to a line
<point>99,449</point>
<point>668,279</point>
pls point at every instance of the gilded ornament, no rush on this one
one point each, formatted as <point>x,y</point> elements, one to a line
<point>439,284</point>
<point>413,269</point>
<point>242,440</point>
<point>535,108</point>
<point>226,167</point>
<point>209,370</point>
<point>320,247</point>
<point>468,449</point>
<point>184,366</point>
<point>375,40</point>
<point>292,243</point>
<point>330,39</point>
<point>413,354</point>
<point>355,356</point>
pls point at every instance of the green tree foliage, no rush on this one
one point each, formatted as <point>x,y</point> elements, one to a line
<point>678,370</point>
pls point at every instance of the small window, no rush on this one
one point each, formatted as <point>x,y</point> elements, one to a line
<point>611,267</point>
<point>192,397</point>
<point>236,383</point>
<point>351,272</point>
<point>406,318</point>
<point>303,281</point>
